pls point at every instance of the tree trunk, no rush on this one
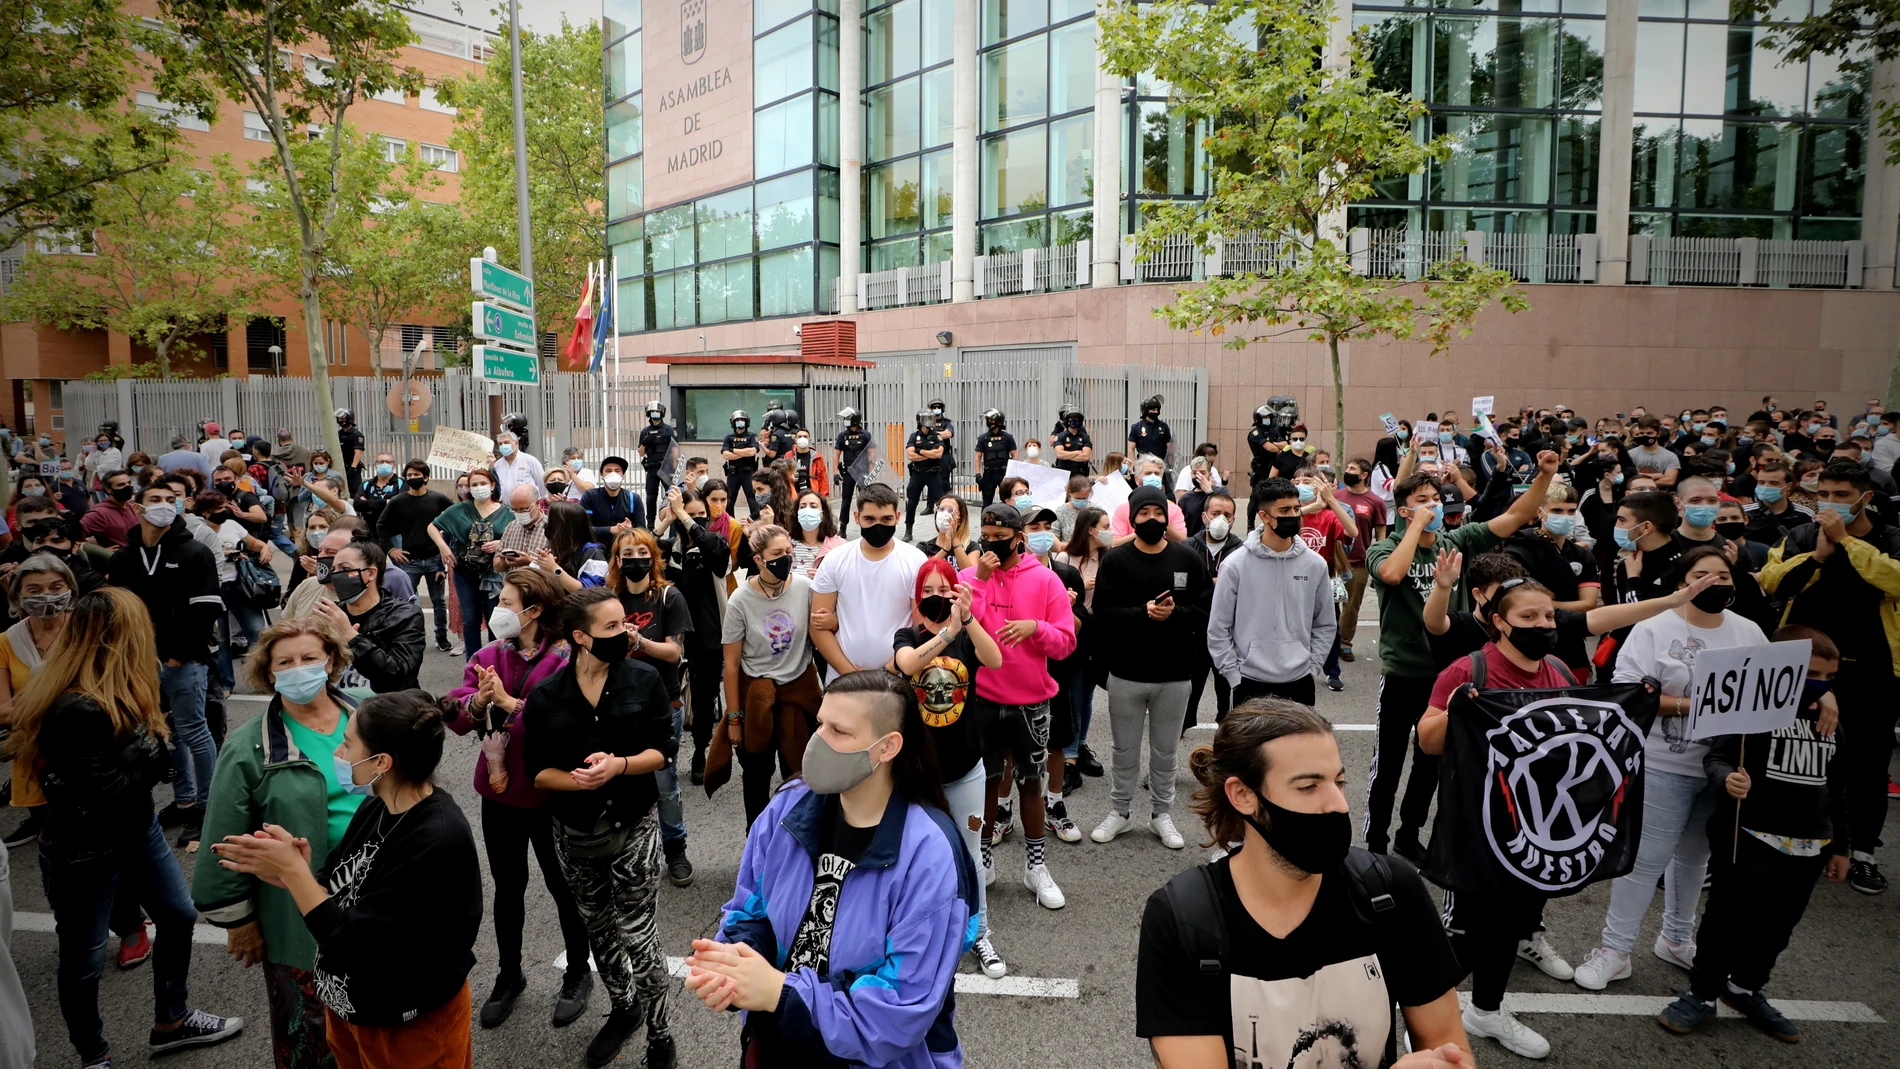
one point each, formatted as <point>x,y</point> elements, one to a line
<point>375,351</point>
<point>163,350</point>
<point>320,378</point>
<point>1339,405</point>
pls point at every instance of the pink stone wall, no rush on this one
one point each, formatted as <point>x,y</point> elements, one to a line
<point>1598,349</point>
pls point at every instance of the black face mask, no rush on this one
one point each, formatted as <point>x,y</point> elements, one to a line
<point>227,489</point>
<point>1286,526</point>
<point>1533,642</point>
<point>1354,478</point>
<point>1004,548</point>
<point>1151,531</point>
<point>780,568</point>
<point>935,608</point>
<point>556,489</point>
<point>123,493</point>
<point>1645,440</point>
<point>1715,599</point>
<point>1310,842</point>
<point>878,535</point>
<point>348,586</point>
<point>1825,446</point>
<point>610,648</point>
<point>636,568</point>
<point>1734,531</point>
<point>414,483</point>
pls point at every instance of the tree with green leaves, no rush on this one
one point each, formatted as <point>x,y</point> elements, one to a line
<point>1293,143</point>
<point>66,71</point>
<point>561,83</point>
<point>246,50</point>
<point>167,263</point>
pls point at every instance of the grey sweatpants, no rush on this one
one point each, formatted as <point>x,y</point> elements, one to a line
<point>1162,705</point>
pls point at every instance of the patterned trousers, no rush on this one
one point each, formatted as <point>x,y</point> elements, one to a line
<point>619,901</point>
<point>297,1033</point>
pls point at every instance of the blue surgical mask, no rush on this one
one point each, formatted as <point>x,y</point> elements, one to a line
<point>1625,538</point>
<point>809,519</point>
<point>1024,501</point>
<point>1699,424</point>
<point>302,684</point>
<point>1744,439</point>
<point>1812,427</point>
<point>1767,495</point>
<point>346,774</point>
<point>1560,525</point>
<point>1040,542</point>
<point>1444,436</point>
<point>1151,480</point>
<point>319,469</point>
<point>1881,430</point>
<point>1708,442</point>
<point>1078,503</point>
<point>1437,513</point>
<point>1617,479</point>
<point>505,449</point>
<point>385,469</point>
<point>1845,512</point>
<point>1307,493</point>
<point>1700,515</point>
<point>1403,434</point>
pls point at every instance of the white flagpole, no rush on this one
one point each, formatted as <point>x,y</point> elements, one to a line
<point>614,326</point>
<point>606,409</point>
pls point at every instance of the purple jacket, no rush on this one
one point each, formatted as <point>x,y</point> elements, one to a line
<point>519,675</point>
<point>906,914</point>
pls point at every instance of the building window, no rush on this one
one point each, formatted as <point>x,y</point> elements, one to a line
<point>393,95</point>
<point>394,148</point>
<point>255,129</point>
<point>167,111</point>
<point>71,242</point>
<point>445,159</point>
<point>430,102</point>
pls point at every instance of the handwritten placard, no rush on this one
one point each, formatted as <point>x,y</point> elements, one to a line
<point>459,449</point>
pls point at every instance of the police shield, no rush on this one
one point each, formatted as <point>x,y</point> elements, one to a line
<point>868,466</point>
<point>670,464</point>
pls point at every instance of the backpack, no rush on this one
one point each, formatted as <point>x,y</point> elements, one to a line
<point>1478,669</point>
<point>1202,929</point>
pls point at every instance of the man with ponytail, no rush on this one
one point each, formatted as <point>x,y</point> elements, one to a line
<point>1314,941</point>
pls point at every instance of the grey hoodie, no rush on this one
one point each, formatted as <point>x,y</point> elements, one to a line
<point>1273,618</point>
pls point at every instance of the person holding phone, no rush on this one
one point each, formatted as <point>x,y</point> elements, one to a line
<point>526,536</point>
<point>495,685</point>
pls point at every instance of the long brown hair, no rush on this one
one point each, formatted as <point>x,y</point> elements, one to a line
<point>1239,750</point>
<point>106,653</point>
<point>637,536</point>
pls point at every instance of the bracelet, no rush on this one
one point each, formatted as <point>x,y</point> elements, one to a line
<point>626,763</point>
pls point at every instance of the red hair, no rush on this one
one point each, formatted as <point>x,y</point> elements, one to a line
<point>933,566</point>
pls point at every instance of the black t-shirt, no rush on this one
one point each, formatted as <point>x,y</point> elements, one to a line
<point>995,447</point>
<point>920,441</point>
<point>1135,646</point>
<point>944,686</point>
<point>851,444</point>
<point>1322,996</point>
<point>562,728</point>
<point>932,549</point>
<point>408,517</point>
<point>744,465</point>
<point>350,440</point>
<point>1072,439</point>
<point>1151,437</point>
<point>374,497</point>
<point>839,847</point>
<point>244,501</point>
<point>659,614</point>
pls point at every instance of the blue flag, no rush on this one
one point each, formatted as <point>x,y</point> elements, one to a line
<point>603,328</point>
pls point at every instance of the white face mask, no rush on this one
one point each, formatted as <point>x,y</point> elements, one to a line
<point>163,514</point>
<point>315,536</point>
<point>804,442</point>
<point>481,491</point>
<point>946,522</point>
<point>612,479</point>
<point>1033,452</point>
<point>1218,527</point>
<point>504,622</point>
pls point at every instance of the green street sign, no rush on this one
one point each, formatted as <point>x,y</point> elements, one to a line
<point>506,365</point>
<point>495,323</point>
<point>497,283</point>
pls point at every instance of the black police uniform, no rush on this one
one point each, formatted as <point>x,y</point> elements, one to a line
<point>656,441</point>
<point>350,440</point>
<point>947,465</point>
<point>1151,437</point>
<point>739,472</point>
<point>924,474</point>
<point>1072,439</point>
<point>779,442</point>
<point>994,446</point>
<point>1268,464</point>
<point>851,444</point>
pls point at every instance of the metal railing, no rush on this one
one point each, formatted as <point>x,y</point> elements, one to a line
<point>1780,264</point>
<point>451,38</point>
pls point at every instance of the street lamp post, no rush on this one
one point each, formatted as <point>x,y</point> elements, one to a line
<point>277,360</point>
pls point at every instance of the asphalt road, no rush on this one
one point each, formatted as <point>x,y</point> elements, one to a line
<point>1845,951</point>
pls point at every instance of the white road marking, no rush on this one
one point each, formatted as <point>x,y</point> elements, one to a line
<point>43,922</point>
<point>967,983</point>
<point>1336,727</point>
<point>247,697</point>
<point>1650,1005</point>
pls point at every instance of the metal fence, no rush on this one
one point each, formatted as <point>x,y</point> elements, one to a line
<point>1684,261</point>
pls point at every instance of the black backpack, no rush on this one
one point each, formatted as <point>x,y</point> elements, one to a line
<point>1478,672</point>
<point>1202,930</point>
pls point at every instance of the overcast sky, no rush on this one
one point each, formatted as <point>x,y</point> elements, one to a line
<point>542,16</point>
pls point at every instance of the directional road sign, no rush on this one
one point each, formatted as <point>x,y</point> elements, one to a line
<point>506,365</point>
<point>497,283</point>
<point>497,324</point>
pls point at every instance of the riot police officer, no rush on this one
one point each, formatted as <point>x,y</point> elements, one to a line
<point>997,448</point>
<point>775,438</point>
<point>923,452</point>
<point>350,440</point>
<point>946,430</point>
<point>110,428</point>
<point>1150,434</point>
<point>656,445</point>
<point>1071,442</point>
<point>851,446</point>
<point>741,453</point>
<point>1267,442</point>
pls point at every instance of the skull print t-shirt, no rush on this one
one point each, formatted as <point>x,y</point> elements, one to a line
<point>1665,647</point>
<point>839,847</point>
<point>944,685</point>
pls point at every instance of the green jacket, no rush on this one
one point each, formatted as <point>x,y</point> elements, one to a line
<point>262,778</point>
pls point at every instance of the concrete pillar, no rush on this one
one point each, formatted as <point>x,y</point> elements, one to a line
<point>851,152</point>
<point>1614,157</point>
<point>1105,242</point>
<point>966,107</point>
<point>1880,196</point>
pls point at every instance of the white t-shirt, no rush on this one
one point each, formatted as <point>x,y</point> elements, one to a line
<point>1184,482</point>
<point>1665,647</point>
<point>874,597</point>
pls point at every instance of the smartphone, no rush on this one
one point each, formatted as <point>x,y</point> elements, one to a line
<point>497,718</point>
<point>1166,596</point>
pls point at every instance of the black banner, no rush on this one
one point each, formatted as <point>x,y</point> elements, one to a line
<point>1540,790</point>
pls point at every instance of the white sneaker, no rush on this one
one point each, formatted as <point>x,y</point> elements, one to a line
<point>992,962</point>
<point>1058,822</point>
<point>1510,1033</point>
<point>1538,951</point>
<point>1163,826</point>
<point>1112,825</point>
<point>1600,967</point>
<point>1037,879</point>
<point>1681,955</point>
<point>989,874</point>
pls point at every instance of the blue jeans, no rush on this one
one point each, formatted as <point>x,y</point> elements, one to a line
<point>280,536</point>
<point>476,604</point>
<point>194,753</point>
<point>250,622</point>
<point>672,813</point>
<point>1081,703</point>
<point>81,888</point>
<point>429,569</point>
<point>1675,847</point>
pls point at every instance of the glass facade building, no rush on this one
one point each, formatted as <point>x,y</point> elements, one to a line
<point>1727,139</point>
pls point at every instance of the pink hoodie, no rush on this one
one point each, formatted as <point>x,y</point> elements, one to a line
<point>1027,591</point>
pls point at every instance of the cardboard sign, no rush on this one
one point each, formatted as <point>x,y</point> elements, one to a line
<point>1049,486</point>
<point>1110,493</point>
<point>1486,405</point>
<point>1391,424</point>
<point>460,450</point>
<point>1747,690</point>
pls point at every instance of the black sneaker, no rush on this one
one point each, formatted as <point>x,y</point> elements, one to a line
<point>698,774</point>
<point>442,643</point>
<point>1865,877</point>
<point>1762,1014</point>
<point>1085,760</point>
<point>198,1029</point>
<point>193,827</point>
<point>173,815</point>
<point>620,1026</point>
<point>678,869</point>
<point>501,1001</point>
<point>661,1053</point>
<point>28,829</point>
<point>1071,779</point>
<point>1335,684</point>
<point>575,987</point>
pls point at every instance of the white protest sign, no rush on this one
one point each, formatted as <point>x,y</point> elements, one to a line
<point>1486,404</point>
<point>1110,493</point>
<point>1049,486</point>
<point>459,449</point>
<point>1391,424</point>
<point>1486,430</point>
<point>1747,690</point>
